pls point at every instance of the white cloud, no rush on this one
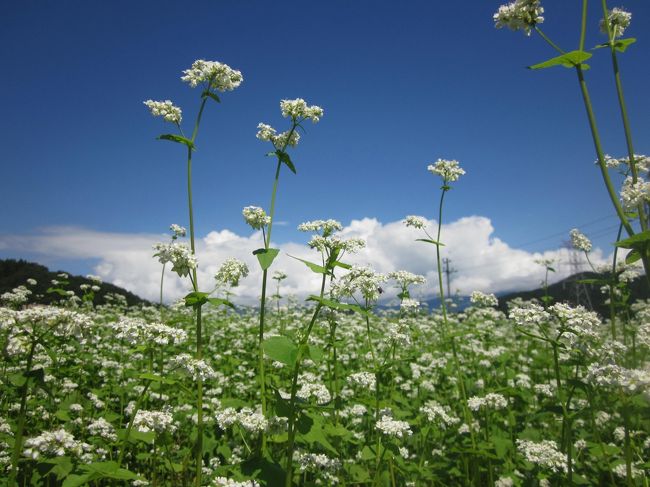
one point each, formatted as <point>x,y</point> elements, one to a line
<point>482,262</point>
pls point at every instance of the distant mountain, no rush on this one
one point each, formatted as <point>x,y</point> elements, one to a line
<point>570,291</point>
<point>14,273</point>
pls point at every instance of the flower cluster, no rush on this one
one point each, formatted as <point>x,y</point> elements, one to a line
<point>177,231</point>
<point>158,421</point>
<point>166,110</point>
<point>519,15</point>
<point>136,331</point>
<point>196,368</point>
<point>249,419</point>
<point>489,401</point>
<point>52,443</point>
<point>180,255</point>
<point>289,138</point>
<point>256,217</point>
<point>393,427</point>
<point>366,380</point>
<point>615,376</point>
<point>484,300</point>
<point>439,414</point>
<point>448,170</point>
<point>299,110</point>
<point>405,278</point>
<point>617,21</point>
<point>326,227</point>
<point>633,194</point>
<point>216,75</point>
<point>415,221</point>
<point>359,279</point>
<point>544,453</point>
<point>231,271</point>
<point>580,241</point>
<point>226,482</point>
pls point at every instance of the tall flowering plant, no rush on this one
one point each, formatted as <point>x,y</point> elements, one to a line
<point>212,77</point>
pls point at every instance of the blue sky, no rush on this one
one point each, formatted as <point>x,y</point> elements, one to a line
<point>402,84</point>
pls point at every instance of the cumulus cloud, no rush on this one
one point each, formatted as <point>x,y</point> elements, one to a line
<point>482,261</point>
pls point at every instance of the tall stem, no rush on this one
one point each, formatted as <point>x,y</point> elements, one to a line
<point>294,389</point>
<point>18,441</point>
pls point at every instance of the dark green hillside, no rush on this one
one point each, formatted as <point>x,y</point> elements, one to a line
<point>14,273</point>
<point>568,291</point>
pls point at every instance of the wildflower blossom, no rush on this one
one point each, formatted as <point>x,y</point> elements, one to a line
<point>215,75</point>
<point>52,443</point>
<point>299,110</point>
<point>326,227</point>
<point>231,271</point>
<point>180,255</point>
<point>448,170</point>
<point>359,279</point>
<point>408,305</point>
<point>102,428</point>
<point>415,221</point>
<point>544,453</point>
<point>166,110</point>
<point>393,427</point>
<point>439,414</point>
<point>196,368</point>
<point>519,15</point>
<point>256,217</point>
<point>633,194</point>
<point>618,20</point>
<point>481,299</point>
<point>158,421</point>
<point>363,379</point>
<point>177,231</point>
<point>489,401</point>
<point>580,241</point>
<point>226,482</point>
<point>405,278</point>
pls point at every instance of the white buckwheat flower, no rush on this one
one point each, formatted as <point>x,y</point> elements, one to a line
<point>619,20</point>
<point>485,300</point>
<point>393,427</point>
<point>633,194</point>
<point>519,15</point>
<point>216,75</point>
<point>545,454</point>
<point>231,271</point>
<point>256,217</point>
<point>166,110</point>
<point>177,231</point>
<point>415,221</point>
<point>299,110</point>
<point>580,241</point>
<point>448,170</point>
<point>182,259</point>
<point>195,368</point>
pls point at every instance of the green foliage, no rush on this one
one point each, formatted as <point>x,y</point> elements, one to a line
<point>266,257</point>
<point>568,60</point>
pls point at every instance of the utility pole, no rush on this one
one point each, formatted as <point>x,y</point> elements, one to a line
<point>581,293</point>
<point>448,271</point>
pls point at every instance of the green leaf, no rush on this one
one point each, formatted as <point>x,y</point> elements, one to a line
<point>111,470</point>
<point>208,93</point>
<point>501,446</point>
<point>284,157</point>
<point>77,480</point>
<point>57,290</point>
<point>568,60</point>
<point>343,265</point>
<point>318,269</point>
<point>156,378</point>
<point>196,299</point>
<point>639,241</point>
<point>429,241</point>
<point>266,257</point>
<point>315,353</point>
<point>178,139</point>
<point>620,45</point>
<point>61,466</point>
<point>282,349</point>
<point>220,302</point>
<point>632,257</point>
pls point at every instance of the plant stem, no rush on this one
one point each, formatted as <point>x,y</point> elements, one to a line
<point>294,389</point>
<point>18,441</point>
